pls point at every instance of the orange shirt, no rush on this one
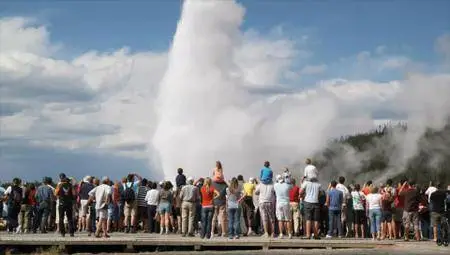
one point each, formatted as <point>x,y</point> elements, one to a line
<point>207,196</point>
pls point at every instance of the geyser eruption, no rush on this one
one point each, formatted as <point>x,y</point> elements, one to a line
<point>206,111</point>
<point>206,114</point>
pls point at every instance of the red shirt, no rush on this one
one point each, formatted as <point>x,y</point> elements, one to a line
<point>207,196</point>
<point>294,194</point>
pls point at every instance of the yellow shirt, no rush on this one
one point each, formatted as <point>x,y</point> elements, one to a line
<point>249,188</point>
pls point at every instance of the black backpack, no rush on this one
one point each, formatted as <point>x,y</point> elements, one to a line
<point>16,195</point>
<point>128,194</point>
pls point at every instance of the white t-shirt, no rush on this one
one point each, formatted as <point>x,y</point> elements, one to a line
<point>374,201</point>
<point>358,198</point>
<point>311,172</point>
<point>152,197</point>
<point>430,191</point>
<point>101,194</point>
<point>344,190</point>
<point>312,190</point>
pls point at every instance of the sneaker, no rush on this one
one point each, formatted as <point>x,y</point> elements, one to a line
<point>290,236</point>
<point>445,243</point>
<point>439,242</point>
<point>281,236</point>
<point>266,235</point>
<point>328,237</point>
<point>236,237</point>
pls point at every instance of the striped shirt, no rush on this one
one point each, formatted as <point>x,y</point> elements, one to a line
<point>142,192</point>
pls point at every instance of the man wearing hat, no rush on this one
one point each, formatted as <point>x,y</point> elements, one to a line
<point>65,193</point>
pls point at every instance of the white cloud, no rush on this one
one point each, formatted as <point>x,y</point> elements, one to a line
<point>104,102</point>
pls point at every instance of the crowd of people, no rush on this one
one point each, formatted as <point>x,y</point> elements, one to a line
<point>271,206</point>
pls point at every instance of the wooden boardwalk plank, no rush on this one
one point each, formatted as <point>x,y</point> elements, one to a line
<point>131,240</point>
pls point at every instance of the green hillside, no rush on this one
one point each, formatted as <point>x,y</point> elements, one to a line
<point>369,156</point>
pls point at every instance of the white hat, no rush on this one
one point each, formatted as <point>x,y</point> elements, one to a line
<point>279,178</point>
<point>251,179</point>
<point>190,179</point>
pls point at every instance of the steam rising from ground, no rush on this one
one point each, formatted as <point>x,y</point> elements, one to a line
<point>206,111</point>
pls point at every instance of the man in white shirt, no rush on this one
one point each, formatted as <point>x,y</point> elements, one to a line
<point>102,196</point>
<point>310,193</point>
<point>341,187</point>
<point>311,172</point>
<point>152,199</point>
<point>430,190</point>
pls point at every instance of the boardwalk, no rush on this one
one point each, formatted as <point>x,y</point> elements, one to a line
<point>151,242</point>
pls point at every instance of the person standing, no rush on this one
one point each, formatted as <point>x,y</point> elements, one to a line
<point>334,202</point>
<point>359,201</point>
<point>130,191</point>
<point>411,196</point>
<point>248,209</point>
<point>437,216</point>
<point>374,208</point>
<point>102,196</point>
<point>152,199</point>
<point>208,194</point>
<point>189,195</point>
<point>294,202</point>
<point>310,193</point>
<point>282,211</point>
<point>266,193</point>
<point>65,193</point>
<point>14,197</point>
<point>83,194</point>
<point>234,196</point>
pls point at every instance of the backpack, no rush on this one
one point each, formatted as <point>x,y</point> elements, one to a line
<point>16,195</point>
<point>128,194</point>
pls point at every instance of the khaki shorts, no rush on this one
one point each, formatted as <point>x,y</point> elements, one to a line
<point>283,212</point>
<point>220,213</point>
<point>130,209</point>
<point>84,208</point>
<point>436,219</point>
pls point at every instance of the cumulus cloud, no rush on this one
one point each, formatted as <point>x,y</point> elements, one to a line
<point>217,95</point>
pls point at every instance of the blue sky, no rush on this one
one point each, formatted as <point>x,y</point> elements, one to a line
<point>54,112</point>
<point>337,28</point>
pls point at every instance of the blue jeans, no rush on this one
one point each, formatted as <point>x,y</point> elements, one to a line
<point>375,220</point>
<point>234,221</point>
<point>334,222</point>
<point>207,215</point>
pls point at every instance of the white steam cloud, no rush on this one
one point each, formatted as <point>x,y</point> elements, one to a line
<point>206,111</point>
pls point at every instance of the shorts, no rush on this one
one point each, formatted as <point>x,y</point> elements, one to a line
<point>102,214</point>
<point>398,215</point>
<point>411,218</point>
<point>83,208</point>
<point>142,212</point>
<point>386,216</point>
<point>312,211</point>
<point>164,208</point>
<point>113,212</point>
<point>436,219</point>
<point>177,212</point>
<point>267,212</point>
<point>220,214</point>
<point>359,217</point>
<point>283,212</point>
<point>130,209</point>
